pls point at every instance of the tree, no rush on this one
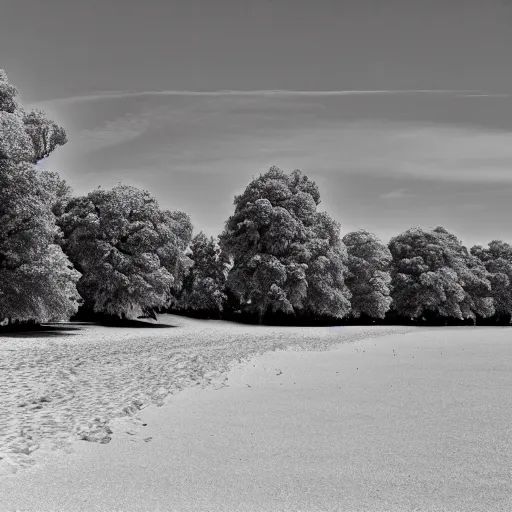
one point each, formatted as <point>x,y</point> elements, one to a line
<point>25,136</point>
<point>130,252</point>
<point>434,273</point>
<point>369,278</point>
<point>497,258</point>
<point>203,286</point>
<point>15,144</point>
<point>37,281</point>
<point>8,95</point>
<point>46,135</point>
<point>286,256</point>
<point>61,191</point>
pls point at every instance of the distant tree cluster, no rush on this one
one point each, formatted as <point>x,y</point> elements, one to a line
<point>116,252</point>
<point>288,258</point>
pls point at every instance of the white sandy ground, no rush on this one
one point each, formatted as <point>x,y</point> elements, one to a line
<point>418,421</point>
<point>57,387</point>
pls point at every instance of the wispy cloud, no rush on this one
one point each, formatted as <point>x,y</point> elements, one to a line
<point>395,194</point>
<point>470,207</point>
<point>421,151</point>
<point>219,130</point>
<point>482,95</point>
<point>122,129</point>
<point>259,93</point>
<point>379,148</point>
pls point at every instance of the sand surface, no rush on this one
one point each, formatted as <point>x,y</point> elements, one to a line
<point>419,421</point>
<point>73,380</point>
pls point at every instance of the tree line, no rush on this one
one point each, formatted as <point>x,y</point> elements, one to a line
<point>116,253</point>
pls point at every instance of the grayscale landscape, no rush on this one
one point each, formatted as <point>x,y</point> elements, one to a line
<point>255,256</point>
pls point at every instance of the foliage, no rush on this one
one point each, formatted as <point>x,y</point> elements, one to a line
<point>15,144</point>
<point>37,281</point>
<point>131,252</point>
<point>45,134</point>
<point>497,258</point>
<point>25,136</point>
<point>203,286</point>
<point>368,278</point>
<point>8,95</point>
<point>60,190</point>
<point>286,256</point>
<point>433,272</point>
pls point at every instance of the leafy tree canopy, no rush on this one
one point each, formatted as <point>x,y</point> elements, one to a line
<point>286,256</point>
<point>37,281</point>
<point>25,136</point>
<point>131,252</point>
<point>203,286</point>
<point>368,279</point>
<point>433,271</point>
<point>497,258</point>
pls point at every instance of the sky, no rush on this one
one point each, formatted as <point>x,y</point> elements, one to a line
<point>400,110</point>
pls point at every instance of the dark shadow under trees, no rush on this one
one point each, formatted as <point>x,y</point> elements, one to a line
<point>87,315</point>
<point>32,330</point>
<point>428,319</point>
